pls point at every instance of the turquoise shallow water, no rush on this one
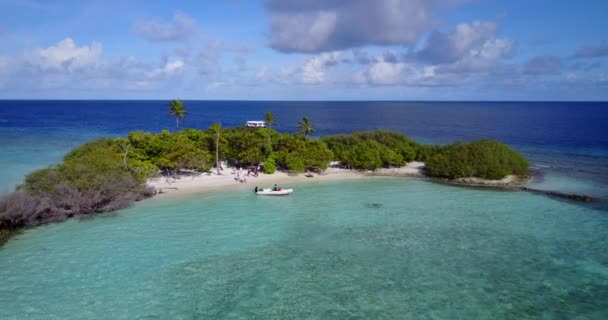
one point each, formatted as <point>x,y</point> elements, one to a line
<point>25,150</point>
<point>371,249</point>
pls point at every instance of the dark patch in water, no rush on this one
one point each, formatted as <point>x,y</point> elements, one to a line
<point>373,205</point>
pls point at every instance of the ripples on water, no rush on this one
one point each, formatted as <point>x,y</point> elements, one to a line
<point>422,251</point>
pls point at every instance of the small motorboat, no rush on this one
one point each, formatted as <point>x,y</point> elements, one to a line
<point>271,192</point>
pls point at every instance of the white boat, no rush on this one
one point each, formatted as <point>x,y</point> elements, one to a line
<point>270,192</point>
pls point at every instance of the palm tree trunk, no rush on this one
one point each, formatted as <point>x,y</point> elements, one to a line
<point>217,155</point>
<point>177,123</point>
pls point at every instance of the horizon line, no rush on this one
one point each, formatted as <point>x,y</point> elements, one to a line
<point>278,100</point>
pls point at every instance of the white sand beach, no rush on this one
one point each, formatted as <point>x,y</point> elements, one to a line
<point>210,182</point>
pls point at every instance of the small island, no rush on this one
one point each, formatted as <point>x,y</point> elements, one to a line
<point>109,174</point>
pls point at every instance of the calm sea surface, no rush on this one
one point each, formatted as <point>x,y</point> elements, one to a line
<point>373,249</point>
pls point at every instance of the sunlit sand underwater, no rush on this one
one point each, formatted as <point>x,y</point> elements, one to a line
<point>372,249</point>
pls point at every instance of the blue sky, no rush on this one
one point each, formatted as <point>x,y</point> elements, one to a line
<point>305,50</point>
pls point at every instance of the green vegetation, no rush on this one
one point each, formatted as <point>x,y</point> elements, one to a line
<point>484,158</point>
<point>305,127</point>
<point>92,178</point>
<point>109,174</point>
<point>297,155</point>
<point>373,150</point>
<point>270,121</point>
<point>177,110</point>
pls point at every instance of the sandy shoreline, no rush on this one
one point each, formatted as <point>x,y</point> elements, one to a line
<point>205,183</point>
<point>212,182</point>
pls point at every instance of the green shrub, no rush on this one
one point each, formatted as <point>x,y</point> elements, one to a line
<point>298,154</point>
<point>269,165</point>
<point>365,155</point>
<point>484,158</point>
<point>372,149</point>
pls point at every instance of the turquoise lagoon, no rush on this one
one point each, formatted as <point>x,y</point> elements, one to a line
<point>379,248</point>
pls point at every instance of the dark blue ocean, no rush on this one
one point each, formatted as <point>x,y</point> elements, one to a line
<point>566,141</point>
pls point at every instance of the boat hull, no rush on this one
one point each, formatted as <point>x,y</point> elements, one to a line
<point>270,192</point>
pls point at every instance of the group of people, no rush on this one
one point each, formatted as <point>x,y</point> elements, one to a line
<point>275,188</point>
<point>242,176</point>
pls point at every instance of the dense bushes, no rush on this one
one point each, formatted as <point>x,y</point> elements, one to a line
<point>297,154</point>
<point>91,179</point>
<point>483,158</point>
<point>269,165</point>
<point>373,150</point>
<point>241,146</point>
<point>383,149</point>
<point>169,152</point>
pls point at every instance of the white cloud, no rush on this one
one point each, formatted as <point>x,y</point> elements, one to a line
<point>65,55</point>
<point>476,39</point>
<point>313,70</point>
<point>385,73</point>
<point>496,49</point>
<point>65,65</point>
<point>181,28</point>
<point>169,68</point>
<point>326,25</point>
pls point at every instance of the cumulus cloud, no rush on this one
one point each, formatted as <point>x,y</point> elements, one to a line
<point>594,51</point>
<point>468,49</point>
<point>181,28</point>
<point>317,25</point>
<point>65,55</point>
<point>467,52</point>
<point>385,73</point>
<point>168,68</point>
<point>475,39</point>
<point>67,65</point>
<point>313,70</point>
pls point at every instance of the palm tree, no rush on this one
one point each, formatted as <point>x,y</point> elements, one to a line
<point>216,129</point>
<point>176,109</point>
<point>270,119</point>
<point>305,127</point>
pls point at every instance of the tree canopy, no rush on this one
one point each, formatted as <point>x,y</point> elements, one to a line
<point>305,127</point>
<point>269,118</point>
<point>177,110</point>
<point>483,158</point>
